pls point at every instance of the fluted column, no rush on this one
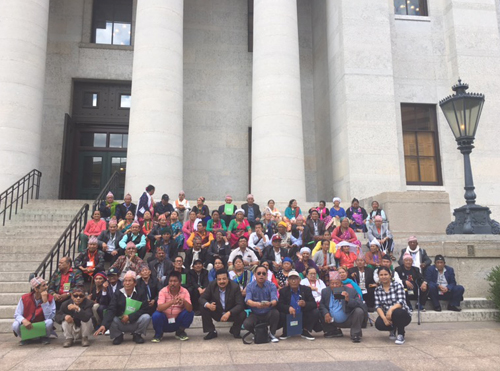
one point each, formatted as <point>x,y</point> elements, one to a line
<point>277,140</point>
<point>155,150</point>
<point>23,51</point>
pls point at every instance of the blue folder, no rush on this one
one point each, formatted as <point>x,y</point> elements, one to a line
<point>294,324</point>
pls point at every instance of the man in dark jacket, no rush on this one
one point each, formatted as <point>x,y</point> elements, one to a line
<point>420,258</point>
<point>91,261</point>
<point>297,299</point>
<point>196,253</point>
<point>126,206</point>
<point>252,211</point>
<point>219,247</point>
<point>108,241</point>
<point>222,301</point>
<point>151,286</point>
<point>127,316</point>
<point>161,267</point>
<point>197,282</point>
<point>166,243</point>
<point>274,255</point>
<point>75,315</point>
<point>413,282</point>
<point>363,276</point>
<point>443,286</point>
<point>341,307</point>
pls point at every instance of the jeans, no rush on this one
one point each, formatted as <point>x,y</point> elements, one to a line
<point>161,325</point>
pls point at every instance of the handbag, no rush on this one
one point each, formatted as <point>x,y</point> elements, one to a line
<point>261,334</point>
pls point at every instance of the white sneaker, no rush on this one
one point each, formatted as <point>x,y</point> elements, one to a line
<point>392,335</point>
<point>107,332</point>
<point>274,339</point>
<point>400,340</point>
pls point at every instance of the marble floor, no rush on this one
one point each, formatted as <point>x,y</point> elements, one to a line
<point>454,346</point>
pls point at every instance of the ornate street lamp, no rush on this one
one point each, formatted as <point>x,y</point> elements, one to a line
<point>462,111</point>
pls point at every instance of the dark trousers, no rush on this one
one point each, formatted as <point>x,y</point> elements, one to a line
<point>207,317</point>
<point>161,325</point>
<point>400,319</point>
<point>309,320</point>
<point>369,297</point>
<point>272,318</point>
<point>414,296</point>
<point>356,320</point>
<point>455,295</point>
<point>194,294</point>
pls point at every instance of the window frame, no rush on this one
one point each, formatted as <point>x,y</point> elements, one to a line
<point>113,23</point>
<point>437,154</point>
<point>424,6</point>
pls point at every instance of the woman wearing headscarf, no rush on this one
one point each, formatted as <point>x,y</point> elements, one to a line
<point>357,215</point>
<point>336,212</point>
<point>237,228</point>
<point>314,283</point>
<point>305,262</point>
<point>345,233</point>
<point>373,258</point>
<point>344,254</point>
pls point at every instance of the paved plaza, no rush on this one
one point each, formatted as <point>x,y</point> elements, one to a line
<point>448,346</point>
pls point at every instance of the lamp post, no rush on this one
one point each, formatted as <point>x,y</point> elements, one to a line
<point>462,111</point>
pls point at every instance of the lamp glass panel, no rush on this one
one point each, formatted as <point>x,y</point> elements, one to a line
<point>473,112</point>
<point>449,113</point>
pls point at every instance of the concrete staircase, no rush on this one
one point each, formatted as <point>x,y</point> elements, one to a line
<point>24,243</point>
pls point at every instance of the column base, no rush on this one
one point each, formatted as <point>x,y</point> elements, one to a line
<point>473,219</point>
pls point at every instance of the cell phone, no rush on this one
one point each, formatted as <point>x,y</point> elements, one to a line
<point>265,302</point>
<point>337,293</point>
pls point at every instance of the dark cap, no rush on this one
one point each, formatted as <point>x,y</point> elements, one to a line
<point>439,258</point>
<point>386,257</point>
<point>112,271</point>
<point>165,197</point>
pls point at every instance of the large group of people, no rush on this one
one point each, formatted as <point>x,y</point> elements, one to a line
<point>302,271</point>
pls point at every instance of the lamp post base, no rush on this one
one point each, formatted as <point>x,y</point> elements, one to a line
<point>473,219</point>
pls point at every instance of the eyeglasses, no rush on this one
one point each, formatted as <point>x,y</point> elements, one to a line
<point>260,273</point>
<point>81,296</point>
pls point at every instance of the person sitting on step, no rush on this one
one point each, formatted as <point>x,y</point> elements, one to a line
<point>443,286</point>
<point>108,241</point>
<point>94,227</point>
<point>108,207</point>
<point>197,283</point>
<point>413,282</point>
<point>91,261</point>
<point>128,262</point>
<point>64,280</point>
<point>137,237</point>
<point>419,255</point>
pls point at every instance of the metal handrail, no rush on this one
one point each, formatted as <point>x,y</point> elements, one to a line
<point>25,189</point>
<point>68,241</point>
<point>111,185</point>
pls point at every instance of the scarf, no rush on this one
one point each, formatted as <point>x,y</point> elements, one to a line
<point>416,257</point>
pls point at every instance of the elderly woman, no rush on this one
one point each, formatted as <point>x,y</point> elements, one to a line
<point>382,234</point>
<point>347,282</point>
<point>273,210</point>
<point>345,233</point>
<point>189,227</point>
<point>305,262</point>
<point>376,210</point>
<point>146,203</point>
<point>240,275</point>
<point>291,213</point>
<point>94,227</point>
<point>125,224</point>
<point>344,254</point>
<point>373,257</point>
<point>216,223</point>
<point>336,212</point>
<point>238,227</point>
<point>90,261</point>
<point>282,275</point>
<point>176,226</point>
<point>128,262</point>
<point>357,215</point>
<point>390,302</point>
<point>325,260</point>
<point>201,210</point>
<point>311,280</point>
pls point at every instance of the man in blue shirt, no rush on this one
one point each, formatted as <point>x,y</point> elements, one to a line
<point>341,307</point>
<point>262,298</point>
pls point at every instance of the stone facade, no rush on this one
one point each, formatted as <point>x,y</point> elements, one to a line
<point>358,62</point>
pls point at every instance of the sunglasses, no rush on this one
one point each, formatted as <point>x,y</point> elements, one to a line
<point>260,273</point>
<point>81,296</point>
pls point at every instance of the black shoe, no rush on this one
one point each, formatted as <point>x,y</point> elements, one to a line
<point>197,313</point>
<point>337,333</point>
<point>118,340</point>
<point>454,308</point>
<point>371,309</point>
<point>211,335</point>
<point>284,336</point>
<point>137,338</point>
<point>307,335</point>
<point>437,309</point>
<point>356,339</point>
<point>235,333</point>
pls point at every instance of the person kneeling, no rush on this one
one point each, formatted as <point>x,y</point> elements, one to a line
<point>222,301</point>
<point>75,315</point>
<point>342,307</point>
<point>174,311</point>
<point>127,312</point>
<point>390,301</point>
<point>296,299</point>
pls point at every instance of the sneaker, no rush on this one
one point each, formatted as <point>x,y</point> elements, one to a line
<point>137,338</point>
<point>106,333</point>
<point>273,338</point>
<point>85,341</point>
<point>235,332</point>
<point>392,335</point>
<point>67,343</point>
<point>211,335</point>
<point>421,308</point>
<point>356,339</point>
<point>118,340</point>
<point>155,340</point>
<point>437,309</point>
<point>181,335</point>
<point>400,340</point>
<point>307,335</point>
<point>284,336</point>
<point>45,340</point>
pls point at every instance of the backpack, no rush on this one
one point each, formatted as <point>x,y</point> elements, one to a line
<point>261,334</point>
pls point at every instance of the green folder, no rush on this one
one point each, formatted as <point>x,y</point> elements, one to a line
<point>37,331</point>
<point>132,306</point>
<point>183,279</point>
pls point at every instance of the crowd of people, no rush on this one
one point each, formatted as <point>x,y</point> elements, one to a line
<point>304,272</point>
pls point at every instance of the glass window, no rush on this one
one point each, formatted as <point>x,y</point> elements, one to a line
<point>90,100</point>
<point>421,149</point>
<point>125,100</point>
<point>93,140</point>
<point>92,169</point>
<point>112,22</point>
<point>411,7</point>
<point>100,140</point>
<point>118,140</point>
<point>119,164</point>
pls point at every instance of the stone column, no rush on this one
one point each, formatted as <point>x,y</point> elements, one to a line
<point>155,150</point>
<point>23,51</point>
<point>277,143</point>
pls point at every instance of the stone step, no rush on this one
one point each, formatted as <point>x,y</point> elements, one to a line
<point>37,229</point>
<point>468,303</point>
<point>7,311</point>
<point>18,287</point>
<point>6,325</point>
<point>9,298</point>
<point>22,276</point>
<point>19,266</point>
<point>22,257</point>
<point>28,247</point>
<point>466,315</point>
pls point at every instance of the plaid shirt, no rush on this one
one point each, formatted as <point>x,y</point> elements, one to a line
<point>75,279</point>
<point>396,295</point>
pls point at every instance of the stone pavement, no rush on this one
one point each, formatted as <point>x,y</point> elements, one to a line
<point>457,346</point>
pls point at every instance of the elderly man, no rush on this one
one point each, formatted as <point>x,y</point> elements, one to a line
<point>36,306</point>
<point>249,258</point>
<point>419,255</point>
<point>296,299</point>
<point>90,261</point>
<point>262,298</point>
<point>182,207</point>
<point>126,313</point>
<point>161,267</point>
<point>126,206</point>
<point>64,280</point>
<point>252,210</point>
<point>414,283</point>
<point>363,276</point>
<point>258,241</point>
<point>174,311</point>
<point>341,307</point>
<point>75,315</point>
<point>108,207</point>
<point>380,231</point>
<point>443,285</point>
<point>137,237</point>
<point>222,301</point>
<point>196,253</point>
<point>109,240</point>
<point>275,255</point>
<point>128,262</point>
<point>227,210</point>
<point>109,288</point>
<point>164,207</point>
